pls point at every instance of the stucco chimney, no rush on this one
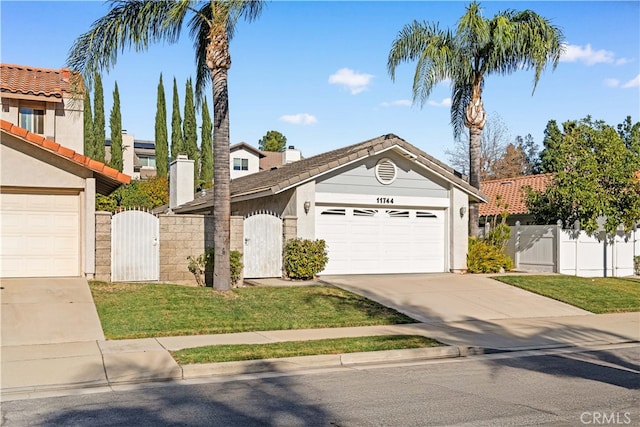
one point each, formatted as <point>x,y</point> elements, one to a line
<point>127,153</point>
<point>290,155</point>
<point>180,181</point>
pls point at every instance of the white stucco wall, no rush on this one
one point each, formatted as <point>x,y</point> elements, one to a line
<point>241,153</point>
<point>458,230</point>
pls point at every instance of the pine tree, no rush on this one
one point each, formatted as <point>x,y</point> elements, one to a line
<point>190,131</point>
<point>89,137</point>
<point>98,119</point>
<point>206,148</point>
<point>550,156</point>
<point>115,123</point>
<point>176,124</point>
<point>162,144</point>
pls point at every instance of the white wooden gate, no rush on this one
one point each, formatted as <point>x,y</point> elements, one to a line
<point>135,248</point>
<point>262,245</point>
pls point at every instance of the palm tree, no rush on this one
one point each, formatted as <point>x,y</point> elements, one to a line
<point>138,23</point>
<point>508,42</point>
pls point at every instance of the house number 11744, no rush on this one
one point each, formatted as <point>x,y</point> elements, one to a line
<point>385,200</point>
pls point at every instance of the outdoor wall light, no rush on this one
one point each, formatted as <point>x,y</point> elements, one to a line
<point>463,210</point>
<point>307,206</point>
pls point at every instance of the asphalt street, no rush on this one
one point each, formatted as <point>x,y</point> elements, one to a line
<point>546,387</point>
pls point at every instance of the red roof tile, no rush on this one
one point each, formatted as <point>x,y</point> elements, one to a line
<point>511,192</point>
<point>65,152</point>
<point>25,80</point>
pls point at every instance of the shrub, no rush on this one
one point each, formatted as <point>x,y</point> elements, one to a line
<point>148,194</point>
<point>486,257</point>
<point>304,259</point>
<point>202,264</point>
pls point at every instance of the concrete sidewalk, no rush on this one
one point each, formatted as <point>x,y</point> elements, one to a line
<point>30,370</point>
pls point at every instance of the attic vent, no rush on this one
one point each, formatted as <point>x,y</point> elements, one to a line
<point>386,171</point>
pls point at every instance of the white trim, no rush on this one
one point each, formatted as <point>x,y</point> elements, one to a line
<point>372,200</point>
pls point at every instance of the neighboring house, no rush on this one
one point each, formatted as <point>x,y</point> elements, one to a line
<point>509,195</point>
<point>245,159</point>
<point>47,205</point>
<point>139,162</point>
<point>44,102</point>
<point>382,206</point>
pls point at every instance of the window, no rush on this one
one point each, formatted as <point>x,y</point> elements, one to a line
<point>147,161</point>
<point>240,164</point>
<point>32,119</point>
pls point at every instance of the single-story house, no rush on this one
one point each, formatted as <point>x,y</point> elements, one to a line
<point>382,206</point>
<point>47,205</point>
<point>509,195</point>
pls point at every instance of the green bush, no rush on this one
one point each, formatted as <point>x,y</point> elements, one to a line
<point>485,257</point>
<point>202,265</point>
<point>304,259</point>
<point>148,194</point>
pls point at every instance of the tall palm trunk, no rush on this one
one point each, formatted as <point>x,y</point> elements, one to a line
<point>219,62</point>
<point>475,119</point>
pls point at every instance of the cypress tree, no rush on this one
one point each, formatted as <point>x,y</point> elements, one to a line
<point>115,122</point>
<point>190,131</point>
<point>89,137</point>
<point>162,143</point>
<point>98,118</point>
<point>206,148</point>
<point>176,124</point>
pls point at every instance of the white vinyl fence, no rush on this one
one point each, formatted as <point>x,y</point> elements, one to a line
<point>549,248</point>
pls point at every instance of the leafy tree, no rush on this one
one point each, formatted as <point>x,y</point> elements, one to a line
<point>273,141</point>
<point>148,194</point>
<point>629,132</point>
<point>508,42</point>
<point>190,131</point>
<point>137,24</point>
<point>177,142</point>
<point>513,163</point>
<point>89,137</point>
<point>206,148</point>
<point>162,142</point>
<point>595,179</point>
<point>530,151</point>
<point>549,157</point>
<point>115,122</point>
<point>98,118</point>
<point>493,142</point>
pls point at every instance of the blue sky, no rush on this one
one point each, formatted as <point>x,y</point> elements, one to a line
<point>316,71</point>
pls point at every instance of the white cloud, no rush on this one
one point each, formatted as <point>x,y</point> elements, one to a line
<point>623,61</point>
<point>446,102</point>
<point>612,82</point>
<point>586,54</point>
<point>304,119</point>
<point>352,80</point>
<point>397,103</point>
<point>635,82</point>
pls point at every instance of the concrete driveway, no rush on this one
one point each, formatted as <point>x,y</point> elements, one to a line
<point>48,311</point>
<point>452,297</point>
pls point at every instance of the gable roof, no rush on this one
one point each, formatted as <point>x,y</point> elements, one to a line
<point>512,193</point>
<point>274,181</point>
<point>108,179</point>
<point>19,81</point>
<point>271,159</point>
<point>247,147</point>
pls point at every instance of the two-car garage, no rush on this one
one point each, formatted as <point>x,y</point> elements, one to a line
<point>375,240</point>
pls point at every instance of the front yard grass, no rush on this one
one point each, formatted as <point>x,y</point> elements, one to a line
<point>227,353</point>
<point>140,310</point>
<point>597,295</point>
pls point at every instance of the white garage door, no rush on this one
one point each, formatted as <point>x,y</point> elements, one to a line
<point>375,241</point>
<point>40,235</point>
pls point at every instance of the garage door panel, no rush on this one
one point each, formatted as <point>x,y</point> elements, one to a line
<point>40,235</point>
<point>373,240</point>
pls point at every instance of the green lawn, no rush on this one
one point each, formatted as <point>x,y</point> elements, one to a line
<point>152,310</point>
<point>226,353</point>
<point>597,295</point>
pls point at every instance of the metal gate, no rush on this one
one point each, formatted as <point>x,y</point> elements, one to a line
<point>262,245</point>
<point>135,249</point>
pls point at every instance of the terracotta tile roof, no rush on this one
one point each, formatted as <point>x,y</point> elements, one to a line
<point>274,181</point>
<point>34,81</point>
<point>512,192</point>
<point>112,176</point>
